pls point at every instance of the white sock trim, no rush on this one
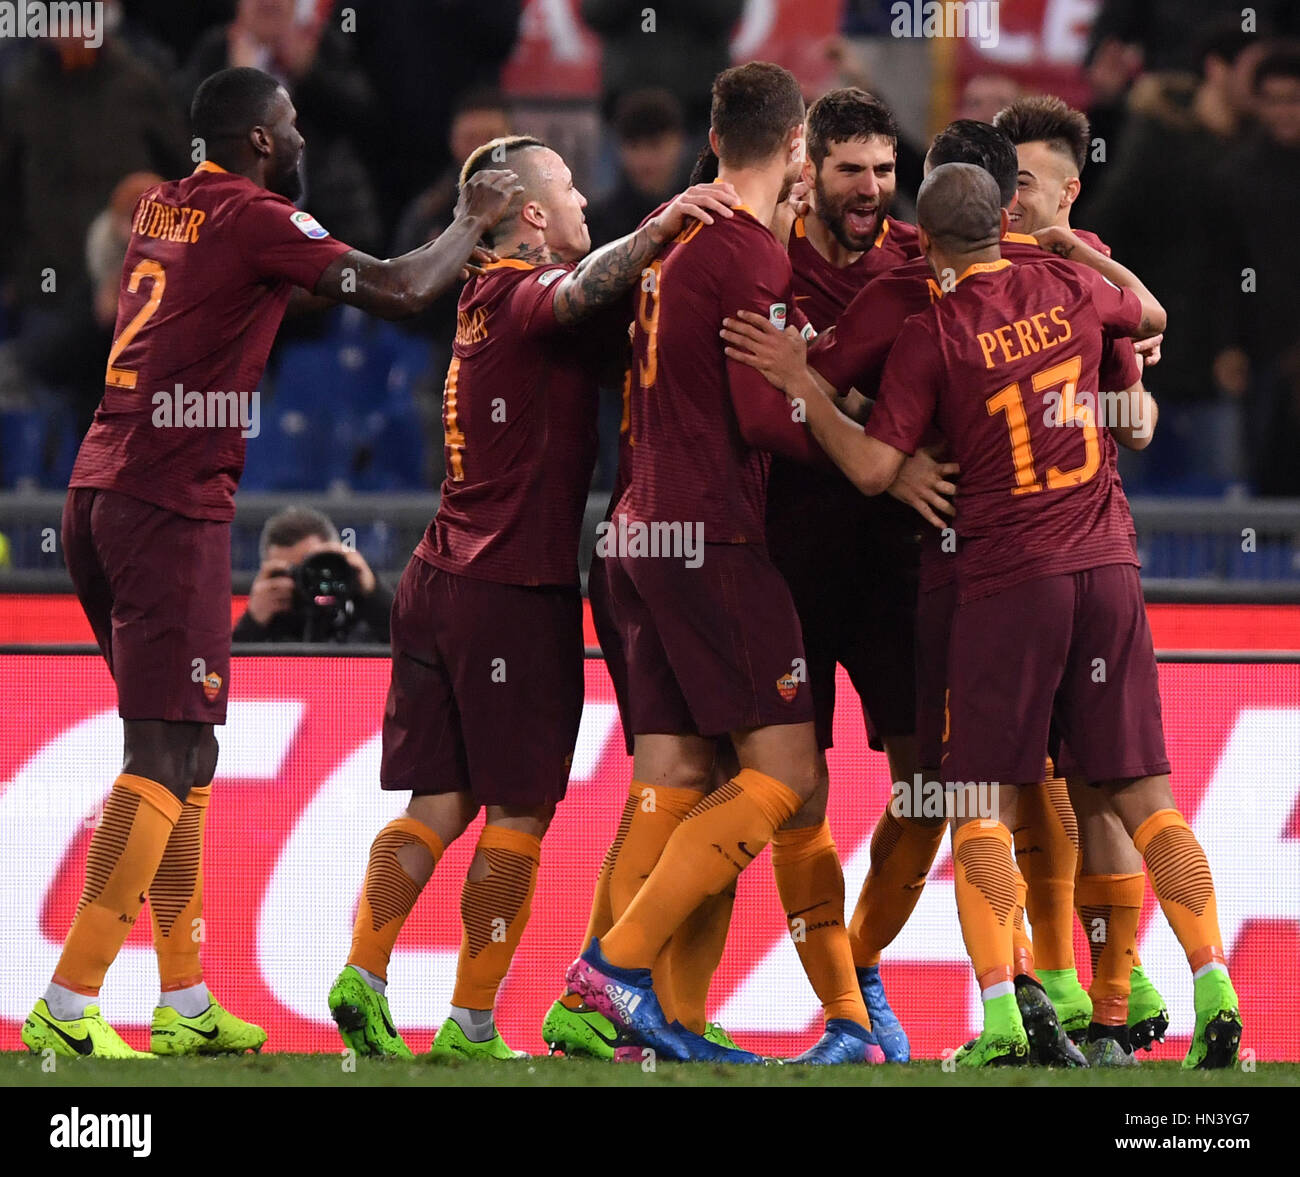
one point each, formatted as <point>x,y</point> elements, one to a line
<point>66,1005</point>
<point>1207,968</point>
<point>188,1002</point>
<point>378,984</point>
<point>1001,989</point>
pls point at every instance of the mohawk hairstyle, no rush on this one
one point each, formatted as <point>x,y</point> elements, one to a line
<point>849,113</point>
<point>495,153</point>
<point>1047,119</point>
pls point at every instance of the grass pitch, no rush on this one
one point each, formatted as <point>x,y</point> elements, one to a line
<point>20,1069</point>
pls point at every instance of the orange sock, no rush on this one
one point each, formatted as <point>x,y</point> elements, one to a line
<point>810,881</point>
<point>176,896</point>
<point>1109,907</point>
<point>902,853</point>
<point>123,858</point>
<point>1047,850</point>
<point>691,958</point>
<point>1181,879</point>
<point>403,846</point>
<point>985,877</point>
<point>722,835</point>
<point>494,906</point>
<point>602,908</point>
<point>1022,946</point>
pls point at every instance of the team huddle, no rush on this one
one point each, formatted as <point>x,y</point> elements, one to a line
<point>897,445</point>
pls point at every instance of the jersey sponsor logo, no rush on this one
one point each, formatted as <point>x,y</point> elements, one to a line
<point>308,225</point>
<point>212,686</point>
<point>788,686</point>
<point>549,276</point>
<point>776,315</point>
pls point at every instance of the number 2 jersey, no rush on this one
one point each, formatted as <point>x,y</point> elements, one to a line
<point>1001,365</point>
<point>210,265</point>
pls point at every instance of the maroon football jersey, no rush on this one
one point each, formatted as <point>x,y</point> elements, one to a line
<point>822,290</point>
<point>1090,238</point>
<point>519,425</point>
<point>704,426</point>
<point>996,364</point>
<point>209,268</point>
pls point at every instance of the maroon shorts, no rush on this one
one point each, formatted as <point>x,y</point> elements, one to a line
<point>1074,647</point>
<point>487,686</point>
<point>156,589</point>
<point>611,641</point>
<point>934,611</point>
<point>713,649</point>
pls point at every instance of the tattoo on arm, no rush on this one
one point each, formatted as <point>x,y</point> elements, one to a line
<point>603,277</point>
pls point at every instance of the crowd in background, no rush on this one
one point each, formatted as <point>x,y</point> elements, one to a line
<point>1193,188</point>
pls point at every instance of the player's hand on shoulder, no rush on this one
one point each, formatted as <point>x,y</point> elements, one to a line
<point>1148,351</point>
<point>488,194</point>
<point>924,485</point>
<point>1059,240</point>
<point>272,592</point>
<point>780,355</point>
<point>477,260</point>
<point>701,202</point>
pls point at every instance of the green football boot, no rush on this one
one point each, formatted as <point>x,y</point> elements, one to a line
<point>719,1037</point>
<point>451,1043</point>
<point>214,1031</point>
<point>580,1031</point>
<point>1148,1017</point>
<point>1218,1024</point>
<point>1070,1000</point>
<point>88,1036</point>
<point>1003,1041</point>
<point>362,1016</point>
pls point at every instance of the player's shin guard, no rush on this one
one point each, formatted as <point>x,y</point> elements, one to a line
<point>390,891</point>
<point>1109,908</point>
<point>810,881</point>
<point>986,885</point>
<point>1181,879</point>
<point>123,858</point>
<point>722,835</point>
<point>176,897</point>
<point>902,852</point>
<point>495,903</point>
<point>1047,850</point>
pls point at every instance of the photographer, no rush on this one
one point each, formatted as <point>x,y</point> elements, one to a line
<point>300,594</point>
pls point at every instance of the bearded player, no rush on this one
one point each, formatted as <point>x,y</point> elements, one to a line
<point>1048,584</point>
<point>487,688</point>
<point>210,265</point>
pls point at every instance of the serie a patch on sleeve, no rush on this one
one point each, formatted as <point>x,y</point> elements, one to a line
<point>776,315</point>
<point>549,276</point>
<point>308,225</point>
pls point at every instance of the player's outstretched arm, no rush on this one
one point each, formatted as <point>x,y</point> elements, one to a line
<point>406,285</point>
<point>603,277</point>
<point>1065,244</point>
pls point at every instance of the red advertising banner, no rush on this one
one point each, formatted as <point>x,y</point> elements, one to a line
<point>296,805</point>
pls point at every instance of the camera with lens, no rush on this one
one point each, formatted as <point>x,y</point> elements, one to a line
<point>325,595</point>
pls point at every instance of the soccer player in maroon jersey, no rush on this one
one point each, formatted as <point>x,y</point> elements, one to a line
<point>713,644</point>
<point>1050,625</point>
<point>487,689</point>
<point>851,355</point>
<point>146,529</point>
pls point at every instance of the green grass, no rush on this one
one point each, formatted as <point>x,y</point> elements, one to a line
<point>319,1070</point>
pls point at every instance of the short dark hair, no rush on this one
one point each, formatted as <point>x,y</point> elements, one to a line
<point>293,525</point>
<point>647,114</point>
<point>840,116</point>
<point>1283,62</point>
<point>754,106</point>
<point>1047,119</point>
<point>705,170</point>
<point>970,141</point>
<point>957,205</point>
<point>231,102</point>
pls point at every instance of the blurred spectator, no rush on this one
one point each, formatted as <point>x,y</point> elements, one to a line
<point>480,116</point>
<point>1167,184</point>
<point>687,46</point>
<point>337,110</point>
<point>1111,70</point>
<point>278,609</point>
<point>984,95</point>
<point>652,163</point>
<point>106,242</point>
<point>176,26</point>
<point>1277,441</point>
<point>423,55</point>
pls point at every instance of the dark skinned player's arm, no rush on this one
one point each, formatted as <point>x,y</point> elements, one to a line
<point>400,287</point>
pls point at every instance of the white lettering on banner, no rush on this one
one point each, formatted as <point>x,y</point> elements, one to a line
<point>1241,823</point>
<point>336,829</point>
<point>555,21</point>
<point>52,794</point>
